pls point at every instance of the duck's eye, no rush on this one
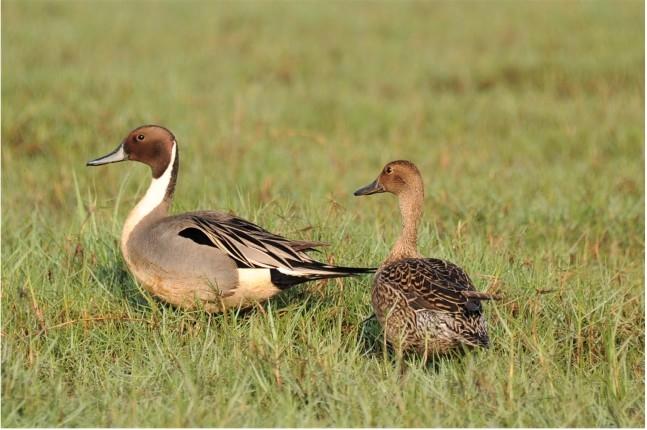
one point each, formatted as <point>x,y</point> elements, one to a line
<point>388,170</point>
<point>140,137</point>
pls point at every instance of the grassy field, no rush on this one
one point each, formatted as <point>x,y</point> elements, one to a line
<point>526,119</point>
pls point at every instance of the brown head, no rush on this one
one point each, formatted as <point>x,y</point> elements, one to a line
<point>403,179</point>
<point>397,177</point>
<point>148,144</point>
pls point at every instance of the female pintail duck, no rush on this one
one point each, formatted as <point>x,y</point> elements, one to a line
<point>209,260</point>
<point>423,304</point>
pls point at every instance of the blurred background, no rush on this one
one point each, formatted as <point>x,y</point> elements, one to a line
<point>525,118</point>
<point>273,92</point>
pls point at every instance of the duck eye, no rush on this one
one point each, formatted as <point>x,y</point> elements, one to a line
<point>388,170</point>
<point>140,137</point>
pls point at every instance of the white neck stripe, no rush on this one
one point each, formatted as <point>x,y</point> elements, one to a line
<point>152,199</point>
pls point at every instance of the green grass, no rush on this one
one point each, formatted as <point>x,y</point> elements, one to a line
<point>526,119</point>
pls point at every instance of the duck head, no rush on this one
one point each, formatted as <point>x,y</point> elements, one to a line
<point>397,177</point>
<point>403,179</point>
<point>148,144</point>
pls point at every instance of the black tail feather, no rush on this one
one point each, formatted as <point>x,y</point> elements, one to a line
<point>284,281</point>
<point>339,270</point>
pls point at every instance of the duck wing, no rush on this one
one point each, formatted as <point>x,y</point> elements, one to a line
<point>307,245</point>
<point>251,246</point>
<point>434,284</point>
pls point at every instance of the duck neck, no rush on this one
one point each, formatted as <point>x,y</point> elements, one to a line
<point>157,200</point>
<point>411,210</point>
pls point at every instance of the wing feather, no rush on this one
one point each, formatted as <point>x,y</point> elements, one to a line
<point>251,246</point>
<point>433,284</point>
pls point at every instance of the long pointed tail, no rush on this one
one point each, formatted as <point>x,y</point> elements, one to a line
<point>285,278</point>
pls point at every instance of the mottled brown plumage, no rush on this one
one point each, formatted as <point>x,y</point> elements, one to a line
<point>423,304</point>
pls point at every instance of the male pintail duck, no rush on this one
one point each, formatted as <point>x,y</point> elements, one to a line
<point>209,260</point>
<point>423,304</point>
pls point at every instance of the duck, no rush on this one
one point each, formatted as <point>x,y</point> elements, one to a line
<point>424,305</point>
<point>205,260</point>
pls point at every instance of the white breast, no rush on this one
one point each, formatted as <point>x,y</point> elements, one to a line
<point>152,199</point>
